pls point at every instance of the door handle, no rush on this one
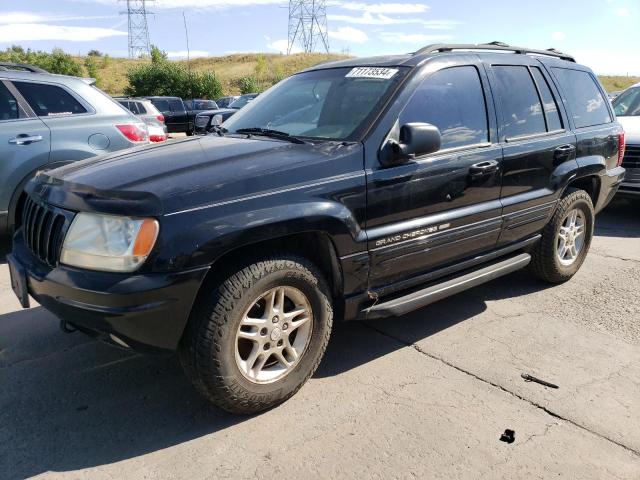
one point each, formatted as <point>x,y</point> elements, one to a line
<point>564,152</point>
<point>484,168</point>
<point>24,139</point>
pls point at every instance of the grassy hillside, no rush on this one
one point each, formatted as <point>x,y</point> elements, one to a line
<point>615,84</point>
<point>229,69</point>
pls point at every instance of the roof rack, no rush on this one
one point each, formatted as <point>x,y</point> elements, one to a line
<point>21,66</point>
<point>497,46</point>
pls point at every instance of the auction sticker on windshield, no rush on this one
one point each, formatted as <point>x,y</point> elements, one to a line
<point>372,72</point>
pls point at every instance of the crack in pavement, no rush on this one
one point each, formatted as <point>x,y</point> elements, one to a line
<point>500,387</point>
<point>50,354</point>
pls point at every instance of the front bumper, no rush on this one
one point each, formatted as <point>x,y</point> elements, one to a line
<point>147,312</point>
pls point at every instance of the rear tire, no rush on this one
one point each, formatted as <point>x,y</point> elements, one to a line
<point>254,339</point>
<point>565,239</point>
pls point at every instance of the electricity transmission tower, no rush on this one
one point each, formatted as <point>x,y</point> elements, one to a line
<point>139,45</point>
<point>308,25</point>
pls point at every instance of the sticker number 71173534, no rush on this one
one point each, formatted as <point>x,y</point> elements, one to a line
<point>372,72</point>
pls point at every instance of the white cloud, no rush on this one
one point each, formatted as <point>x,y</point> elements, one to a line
<point>30,17</point>
<point>622,12</point>
<point>394,37</point>
<point>182,54</point>
<point>181,4</point>
<point>379,19</point>
<point>397,8</point>
<point>21,32</point>
<point>559,36</point>
<point>281,46</point>
<point>609,62</point>
<point>349,34</point>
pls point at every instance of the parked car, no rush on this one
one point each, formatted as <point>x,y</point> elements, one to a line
<point>175,114</point>
<point>627,109</point>
<point>613,95</point>
<point>357,189</point>
<point>149,114</point>
<point>199,105</point>
<point>224,102</point>
<point>50,120</point>
<point>204,120</point>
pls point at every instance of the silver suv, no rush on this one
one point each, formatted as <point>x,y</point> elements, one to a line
<point>50,120</point>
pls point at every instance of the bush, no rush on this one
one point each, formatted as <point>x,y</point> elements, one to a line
<point>167,78</point>
<point>55,62</point>
<point>248,85</point>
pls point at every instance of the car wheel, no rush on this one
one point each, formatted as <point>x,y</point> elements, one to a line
<point>254,339</point>
<point>565,239</point>
<point>189,133</point>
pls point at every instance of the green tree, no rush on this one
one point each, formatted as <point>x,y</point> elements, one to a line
<point>157,55</point>
<point>55,62</point>
<point>94,53</point>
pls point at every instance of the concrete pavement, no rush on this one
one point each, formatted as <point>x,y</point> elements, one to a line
<point>424,396</point>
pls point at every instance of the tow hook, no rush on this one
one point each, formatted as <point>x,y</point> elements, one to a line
<point>67,327</point>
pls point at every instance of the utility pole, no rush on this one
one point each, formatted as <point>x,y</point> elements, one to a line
<point>139,45</point>
<point>308,25</point>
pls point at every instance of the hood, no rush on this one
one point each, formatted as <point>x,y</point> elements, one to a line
<point>160,179</point>
<point>218,111</point>
<point>631,127</point>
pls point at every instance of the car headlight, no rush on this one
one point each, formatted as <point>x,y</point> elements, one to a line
<point>108,243</point>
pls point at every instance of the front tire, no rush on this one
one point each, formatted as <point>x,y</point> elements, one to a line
<point>254,339</point>
<point>565,239</point>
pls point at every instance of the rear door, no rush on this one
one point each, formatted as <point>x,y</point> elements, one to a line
<point>438,208</point>
<point>25,143</point>
<point>180,117</point>
<point>538,145</point>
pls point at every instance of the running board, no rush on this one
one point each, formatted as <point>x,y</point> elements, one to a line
<point>421,298</point>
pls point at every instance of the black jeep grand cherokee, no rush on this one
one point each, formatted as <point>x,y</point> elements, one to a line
<point>358,189</point>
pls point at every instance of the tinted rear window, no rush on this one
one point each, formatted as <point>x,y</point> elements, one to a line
<point>49,100</point>
<point>548,101</point>
<point>176,105</point>
<point>161,104</point>
<point>586,104</point>
<point>521,107</point>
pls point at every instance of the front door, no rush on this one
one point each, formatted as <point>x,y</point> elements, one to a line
<point>441,207</point>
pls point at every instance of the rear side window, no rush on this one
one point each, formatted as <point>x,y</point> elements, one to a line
<point>587,105</point>
<point>521,107</point>
<point>8,105</point>
<point>176,105</point>
<point>548,102</point>
<point>161,104</point>
<point>453,100</point>
<point>49,100</point>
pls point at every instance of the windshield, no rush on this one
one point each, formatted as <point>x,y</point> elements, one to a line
<point>332,104</point>
<point>627,104</point>
<point>241,101</point>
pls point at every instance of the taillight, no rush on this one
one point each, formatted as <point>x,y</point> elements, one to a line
<point>160,118</point>
<point>135,132</point>
<point>621,148</point>
<point>157,138</point>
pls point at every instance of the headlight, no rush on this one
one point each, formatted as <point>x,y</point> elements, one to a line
<point>109,243</point>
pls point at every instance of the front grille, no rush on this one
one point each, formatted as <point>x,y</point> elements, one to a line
<point>44,227</point>
<point>631,157</point>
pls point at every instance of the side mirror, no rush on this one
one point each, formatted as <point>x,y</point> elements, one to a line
<point>416,139</point>
<point>216,121</point>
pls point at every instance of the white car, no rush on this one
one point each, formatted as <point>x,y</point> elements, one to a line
<point>627,109</point>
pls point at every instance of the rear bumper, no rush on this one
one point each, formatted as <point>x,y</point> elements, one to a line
<point>147,312</point>
<point>609,185</point>
<point>631,184</point>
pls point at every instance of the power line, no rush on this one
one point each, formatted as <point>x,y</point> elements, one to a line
<point>139,45</point>
<point>308,25</point>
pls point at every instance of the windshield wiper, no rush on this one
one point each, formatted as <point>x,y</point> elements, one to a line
<point>267,132</point>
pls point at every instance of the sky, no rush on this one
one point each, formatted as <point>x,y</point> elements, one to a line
<point>603,34</point>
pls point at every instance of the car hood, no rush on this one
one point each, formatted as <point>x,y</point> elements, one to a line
<point>181,175</point>
<point>218,111</point>
<point>631,127</point>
